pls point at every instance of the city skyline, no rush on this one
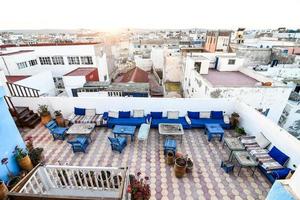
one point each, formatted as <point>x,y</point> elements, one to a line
<point>113,15</point>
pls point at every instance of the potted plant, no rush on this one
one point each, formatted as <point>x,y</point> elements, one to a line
<point>35,154</point>
<point>3,190</point>
<point>139,187</point>
<point>23,158</point>
<point>234,119</point>
<point>44,113</point>
<point>59,118</point>
<point>170,158</point>
<point>240,130</point>
<point>180,167</point>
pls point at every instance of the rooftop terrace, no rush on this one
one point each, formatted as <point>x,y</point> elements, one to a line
<point>229,79</point>
<point>207,181</point>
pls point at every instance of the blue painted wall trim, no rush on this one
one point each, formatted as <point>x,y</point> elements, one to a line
<point>9,138</point>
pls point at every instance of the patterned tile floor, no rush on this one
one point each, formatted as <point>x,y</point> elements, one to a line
<point>207,181</point>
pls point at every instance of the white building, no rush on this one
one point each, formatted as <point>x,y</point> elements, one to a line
<point>57,58</point>
<point>222,76</point>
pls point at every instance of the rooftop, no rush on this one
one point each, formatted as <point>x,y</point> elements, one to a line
<point>48,44</point>
<point>12,79</point>
<point>15,52</point>
<point>207,180</point>
<point>135,75</point>
<point>81,71</point>
<point>229,79</point>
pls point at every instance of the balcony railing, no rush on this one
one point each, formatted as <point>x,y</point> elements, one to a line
<point>74,182</point>
<point>22,91</point>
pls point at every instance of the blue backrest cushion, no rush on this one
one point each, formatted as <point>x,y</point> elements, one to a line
<point>156,115</point>
<point>193,115</point>
<point>124,114</point>
<point>79,111</point>
<point>279,156</point>
<point>216,114</point>
<point>51,125</point>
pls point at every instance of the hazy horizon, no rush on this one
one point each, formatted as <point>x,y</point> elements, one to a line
<point>155,14</point>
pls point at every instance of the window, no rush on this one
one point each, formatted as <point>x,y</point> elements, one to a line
<point>22,65</point>
<point>73,60</point>
<point>58,60</point>
<point>231,61</point>
<point>105,77</point>
<point>32,62</point>
<point>197,66</point>
<point>45,60</point>
<point>86,60</point>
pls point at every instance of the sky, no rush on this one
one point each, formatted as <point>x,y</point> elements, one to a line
<point>158,14</point>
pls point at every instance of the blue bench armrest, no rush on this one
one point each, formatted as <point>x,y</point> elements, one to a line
<point>280,173</point>
<point>148,118</point>
<point>105,115</point>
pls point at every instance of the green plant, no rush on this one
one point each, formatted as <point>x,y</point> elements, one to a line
<point>36,155</point>
<point>57,113</point>
<point>20,153</point>
<point>43,110</point>
<point>139,187</point>
<point>234,114</point>
<point>240,130</point>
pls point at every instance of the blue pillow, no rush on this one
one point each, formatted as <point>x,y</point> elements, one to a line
<point>280,173</point>
<point>156,115</point>
<point>193,115</point>
<point>216,114</point>
<point>279,156</point>
<point>79,111</point>
<point>124,114</point>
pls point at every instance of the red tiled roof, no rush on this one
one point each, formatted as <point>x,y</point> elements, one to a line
<point>136,75</point>
<point>49,44</point>
<point>81,71</point>
<point>15,52</point>
<point>12,79</point>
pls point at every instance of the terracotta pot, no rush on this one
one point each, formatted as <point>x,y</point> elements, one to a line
<point>180,167</point>
<point>3,191</point>
<point>170,158</point>
<point>45,118</point>
<point>60,120</point>
<point>25,163</point>
<point>178,155</point>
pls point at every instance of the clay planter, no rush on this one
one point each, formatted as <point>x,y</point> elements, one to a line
<point>189,166</point>
<point>3,190</point>
<point>25,163</point>
<point>60,120</point>
<point>170,158</point>
<point>45,118</point>
<point>180,167</point>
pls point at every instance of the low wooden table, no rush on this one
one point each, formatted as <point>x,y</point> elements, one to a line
<point>124,130</point>
<point>245,160</point>
<point>170,129</point>
<point>233,144</point>
<point>82,129</point>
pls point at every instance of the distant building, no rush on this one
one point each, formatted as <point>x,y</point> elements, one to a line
<point>219,75</point>
<point>217,41</point>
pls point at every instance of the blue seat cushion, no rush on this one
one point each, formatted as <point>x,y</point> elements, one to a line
<point>121,140</point>
<point>279,156</point>
<point>200,123</point>
<point>193,115</point>
<point>216,114</point>
<point>59,130</point>
<point>156,115</point>
<point>79,111</point>
<point>280,173</point>
<point>124,114</point>
<point>136,121</point>
<point>82,140</point>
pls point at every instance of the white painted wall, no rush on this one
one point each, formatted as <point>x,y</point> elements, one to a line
<point>42,82</point>
<point>143,63</point>
<point>295,182</point>
<point>95,51</point>
<point>223,64</point>
<point>71,82</point>
<point>157,57</point>
<point>222,43</point>
<point>172,71</point>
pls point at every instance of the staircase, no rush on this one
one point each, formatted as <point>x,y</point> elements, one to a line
<point>23,116</point>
